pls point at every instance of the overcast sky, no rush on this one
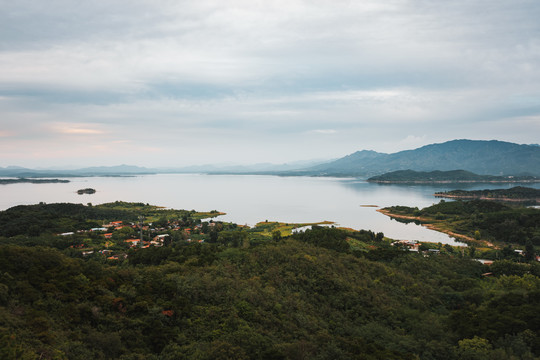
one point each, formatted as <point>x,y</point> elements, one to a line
<point>171,82</point>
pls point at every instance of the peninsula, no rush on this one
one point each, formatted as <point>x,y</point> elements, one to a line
<point>476,222</point>
<point>517,193</point>
<point>31,181</point>
<point>452,176</point>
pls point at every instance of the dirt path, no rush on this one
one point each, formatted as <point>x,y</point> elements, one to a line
<point>405,217</point>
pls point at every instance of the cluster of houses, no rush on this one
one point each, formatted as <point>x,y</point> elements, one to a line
<point>411,245</point>
<point>414,246</point>
<point>157,240</point>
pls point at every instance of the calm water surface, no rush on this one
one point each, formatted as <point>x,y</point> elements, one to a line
<point>250,199</point>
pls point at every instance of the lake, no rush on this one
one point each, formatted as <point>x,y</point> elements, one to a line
<point>248,199</point>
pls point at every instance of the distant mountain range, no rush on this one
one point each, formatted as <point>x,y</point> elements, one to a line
<point>120,170</point>
<point>130,170</point>
<point>478,156</point>
<point>244,169</point>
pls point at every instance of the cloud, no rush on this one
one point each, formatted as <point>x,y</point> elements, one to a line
<point>77,129</point>
<point>270,46</point>
<point>6,133</point>
<point>80,131</point>
<point>324,131</point>
<point>413,141</point>
<point>271,76</point>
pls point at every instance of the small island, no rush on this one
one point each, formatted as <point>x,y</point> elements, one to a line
<point>31,181</point>
<point>517,194</point>
<point>439,177</point>
<point>86,191</point>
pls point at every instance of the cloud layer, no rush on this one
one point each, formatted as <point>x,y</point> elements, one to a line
<point>183,82</point>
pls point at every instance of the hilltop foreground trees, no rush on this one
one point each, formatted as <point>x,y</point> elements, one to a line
<point>284,300</point>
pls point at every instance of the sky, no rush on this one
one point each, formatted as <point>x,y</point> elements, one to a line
<point>175,83</point>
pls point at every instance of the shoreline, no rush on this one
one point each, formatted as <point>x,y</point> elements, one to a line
<point>453,181</point>
<point>429,224</point>
<point>473,197</point>
<point>32,181</point>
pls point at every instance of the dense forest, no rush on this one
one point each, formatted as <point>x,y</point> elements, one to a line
<point>251,293</point>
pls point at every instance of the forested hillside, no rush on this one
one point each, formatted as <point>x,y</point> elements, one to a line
<point>324,293</point>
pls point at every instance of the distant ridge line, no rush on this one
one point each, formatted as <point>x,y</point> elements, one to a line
<point>483,157</point>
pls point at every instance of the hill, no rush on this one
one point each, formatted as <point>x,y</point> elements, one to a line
<point>478,156</point>
<point>324,293</point>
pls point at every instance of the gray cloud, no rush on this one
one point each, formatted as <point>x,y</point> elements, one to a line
<point>312,79</point>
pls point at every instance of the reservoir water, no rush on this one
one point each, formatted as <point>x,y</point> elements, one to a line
<point>249,199</point>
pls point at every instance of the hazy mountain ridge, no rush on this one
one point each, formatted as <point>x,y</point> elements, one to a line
<point>252,168</point>
<point>479,156</point>
<point>482,157</point>
<point>131,170</point>
<point>119,170</point>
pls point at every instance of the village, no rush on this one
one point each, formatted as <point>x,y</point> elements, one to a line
<point>118,236</point>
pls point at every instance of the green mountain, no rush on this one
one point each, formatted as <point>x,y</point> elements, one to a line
<point>478,156</point>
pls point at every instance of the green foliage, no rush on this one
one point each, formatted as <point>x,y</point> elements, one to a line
<point>307,295</point>
<point>34,220</point>
<point>515,193</point>
<point>329,238</point>
<point>474,349</point>
<point>464,207</point>
<point>276,235</point>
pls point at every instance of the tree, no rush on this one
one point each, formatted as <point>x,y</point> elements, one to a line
<point>529,251</point>
<point>123,233</point>
<point>11,350</point>
<point>204,227</point>
<point>474,349</point>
